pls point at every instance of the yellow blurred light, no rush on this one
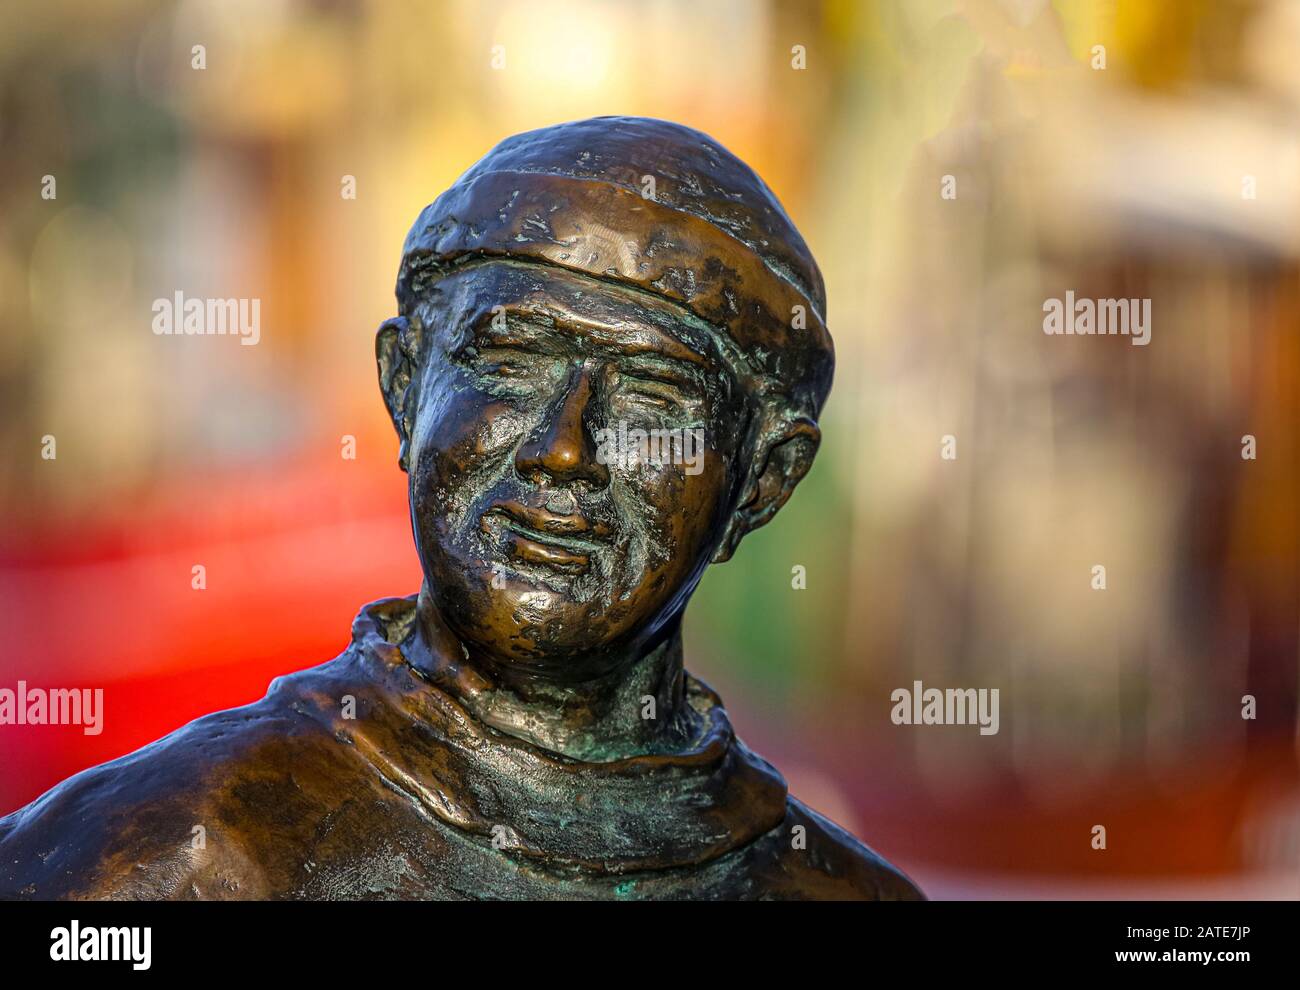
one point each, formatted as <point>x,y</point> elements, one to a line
<point>555,59</point>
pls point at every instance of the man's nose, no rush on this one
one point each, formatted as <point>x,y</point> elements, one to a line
<point>561,447</point>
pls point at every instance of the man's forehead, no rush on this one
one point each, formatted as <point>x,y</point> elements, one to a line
<point>513,302</point>
<point>526,324</point>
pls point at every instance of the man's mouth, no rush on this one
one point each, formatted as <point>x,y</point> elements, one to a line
<point>565,543</point>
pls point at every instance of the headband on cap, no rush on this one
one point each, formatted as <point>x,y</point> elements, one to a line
<point>712,237</point>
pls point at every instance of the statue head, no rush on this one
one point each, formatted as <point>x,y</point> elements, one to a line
<point>607,368</point>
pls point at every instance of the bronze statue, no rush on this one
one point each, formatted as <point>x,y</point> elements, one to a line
<point>607,369</point>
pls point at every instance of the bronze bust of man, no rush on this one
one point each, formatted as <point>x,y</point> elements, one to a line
<point>607,369</point>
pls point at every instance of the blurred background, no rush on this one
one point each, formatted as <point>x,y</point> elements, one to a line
<point>1116,149</point>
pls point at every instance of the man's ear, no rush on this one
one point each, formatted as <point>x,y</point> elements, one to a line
<point>783,455</point>
<point>396,354</point>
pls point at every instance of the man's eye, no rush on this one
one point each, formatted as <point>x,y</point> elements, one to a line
<point>504,369</point>
<point>653,392</point>
<point>647,395</point>
<point>501,362</point>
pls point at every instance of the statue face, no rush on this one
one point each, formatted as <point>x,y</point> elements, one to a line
<point>554,538</point>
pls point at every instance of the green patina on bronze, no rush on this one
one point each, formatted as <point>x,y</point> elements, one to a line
<point>525,726</point>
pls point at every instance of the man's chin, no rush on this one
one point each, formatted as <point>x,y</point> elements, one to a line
<point>533,617</point>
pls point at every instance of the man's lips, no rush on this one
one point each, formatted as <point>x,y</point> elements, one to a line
<point>538,536</point>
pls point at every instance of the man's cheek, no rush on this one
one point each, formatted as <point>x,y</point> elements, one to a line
<point>704,497</point>
<point>472,436</point>
<point>673,511</point>
<point>694,480</point>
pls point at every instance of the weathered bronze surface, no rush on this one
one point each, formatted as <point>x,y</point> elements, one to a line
<point>524,727</point>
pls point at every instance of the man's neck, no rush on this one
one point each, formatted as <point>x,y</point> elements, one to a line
<point>638,708</point>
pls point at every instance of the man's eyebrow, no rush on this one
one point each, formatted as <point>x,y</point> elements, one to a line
<point>653,364</point>
<point>520,325</point>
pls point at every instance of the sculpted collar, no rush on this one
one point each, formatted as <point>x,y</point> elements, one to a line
<point>641,813</point>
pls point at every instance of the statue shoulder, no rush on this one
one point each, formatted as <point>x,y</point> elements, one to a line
<point>171,820</point>
<point>824,861</point>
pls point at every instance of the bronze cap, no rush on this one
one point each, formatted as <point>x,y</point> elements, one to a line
<point>712,237</point>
